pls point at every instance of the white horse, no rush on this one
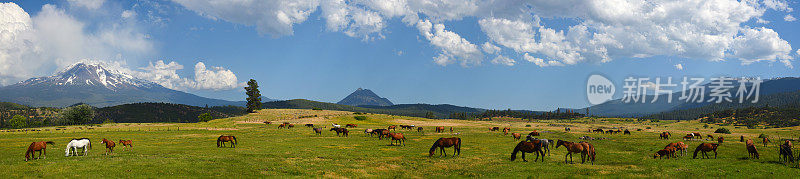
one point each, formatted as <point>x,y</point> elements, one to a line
<point>74,144</point>
<point>545,143</point>
<point>336,125</point>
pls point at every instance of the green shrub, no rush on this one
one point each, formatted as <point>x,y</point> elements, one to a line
<point>80,114</point>
<point>648,127</point>
<point>316,109</point>
<point>527,125</point>
<point>18,122</point>
<point>705,126</point>
<point>723,131</point>
<point>360,118</point>
<point>108,121</point>
<point>205,117</point>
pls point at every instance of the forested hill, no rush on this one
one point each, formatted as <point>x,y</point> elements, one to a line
<point>415,110</point>
<point>161,112</point>
<point>780,100</point>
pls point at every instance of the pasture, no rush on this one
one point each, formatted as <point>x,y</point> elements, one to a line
<point>263,150</point>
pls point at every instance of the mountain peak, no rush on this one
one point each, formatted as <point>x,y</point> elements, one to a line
<point>364,97</point>
<point>85,74</point>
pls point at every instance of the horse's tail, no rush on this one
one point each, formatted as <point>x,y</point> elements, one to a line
<point>218,140</point>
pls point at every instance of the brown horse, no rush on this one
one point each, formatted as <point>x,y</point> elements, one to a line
<point>599,130</point>
<point>505,131</point>
<point>679,146</point>
<point>584,148</point>
<point>627,132</point>
<point>282,126</point>
<point>785,152</point>
<point>397,137</point>
<point>765,141</point>
<point>309,125</point>
<point>289,126</point>
<point>442,143</point>
<point>661,153</point>
<point>516,136</point>
<point>534,146</point>
<point>688,137</point>
<point>706,147</point>
<point>741,138</point>
<point>534,133</point>
<point>109,145</point>
<point>751,149</point>
<point>392,127</point>
<point>318,131</point>
<point>494,128</point>
<point>40,146</point>
<point>440,129</point>
<point>663,135</point>
<point>343,131</point>
<point>226,138</point>
<point>267,122</point>
<point>419,129</point>
<point>351,125</point>
<point>126,144</point>
<point>720,140</point>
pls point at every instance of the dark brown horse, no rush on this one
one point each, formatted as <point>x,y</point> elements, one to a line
<point>584,148</point>
<point>226,138</point>
<point>40,147</point>
<point>494,128</point>
<point>765,141</point>
<point>397,137</point>
<point>392,127</point>
<point>599,130</point>
<point>318,131</point>
<point>534,146</point>
<point>289,126</point>
<point>109,145</point>
<point>661,153</point>
<point>309,125</point>
<point>282,126</point>
<point>439,129</point>
<point>706,147</point>
<point>679,146</point>
<point>720,139</point>
<point>351,125</point>
<point>626,132</point>
<point>663,135</point>
<point>419,129</point>
<point>534,133</point>
<point>126,144</point>
<point>442,143</point>
<point>785,152</point>
<point>341,131</point>
<point>751,148</point>
<point>267,122</point>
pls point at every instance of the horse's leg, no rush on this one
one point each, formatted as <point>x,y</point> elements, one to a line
<point>442,149</point>
<point>565,157</point>
<point>715,154</point>
<point>523,157</point>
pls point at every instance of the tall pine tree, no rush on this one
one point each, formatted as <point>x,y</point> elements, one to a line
<point>253,96</point>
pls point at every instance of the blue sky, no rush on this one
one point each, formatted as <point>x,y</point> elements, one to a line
<point>383,46</point>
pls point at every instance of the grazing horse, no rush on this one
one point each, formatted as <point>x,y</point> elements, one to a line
<point>289,126</point>
<point>534,133</point>
<point>368,132</point>
<point>516,136</point>
<point>741,138</point>
<point>309,125</point>
<point>440,129</point>
<point>336,125</point>
<point>318,131</point>
<point>545,143</point>
<point>350,125</point>
<point>419,129</point>
<point>505,131</point>
<point>679,146</point>
<point>610,131</point>
<point>282,126</point>
<point>40,146</point>
<point>528,147</point>
<point>267,122</point>
<point>226,138</point>
<point>627,132</point>
<point>785,152</point>
<point>109,145</point>
<point>392,127</point>
<point>751,149</point>
<point>74,144</point>
<point>599,130</point>
<point>720,140</point>
<point>706,147</point>
<point>494,128</point>
<point>442,143</point>
<point>688,137</point>
<point>378,132</point>
<point>696,135</point>
<point>663,135</point>
<point>661,153</point>
<point>126,144</point>
<point>765,141</point>
<point>342,131</point>
<point>397,137</point>
<point>584,148</point>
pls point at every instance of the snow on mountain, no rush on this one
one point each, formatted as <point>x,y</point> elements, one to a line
<point>82,74</point>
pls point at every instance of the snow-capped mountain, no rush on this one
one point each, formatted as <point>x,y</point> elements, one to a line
<point>97,86</point>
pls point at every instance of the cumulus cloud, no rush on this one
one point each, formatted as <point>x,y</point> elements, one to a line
<point>604,30</point>
<point>88,4</point>
<point>679,66</point>
<point>490,48</point>
<point>789,18</point>
<point>269,17</point>
<point>503,61</point>
<point>761,44</point>
<point>53,39</point>
<point>205,78</point>
<point>541,62</point>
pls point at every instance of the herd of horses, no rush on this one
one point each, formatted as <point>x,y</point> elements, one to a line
<point>784,151</point>
<point>72,147</point>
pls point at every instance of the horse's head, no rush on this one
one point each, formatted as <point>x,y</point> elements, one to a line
<point>560,143</point>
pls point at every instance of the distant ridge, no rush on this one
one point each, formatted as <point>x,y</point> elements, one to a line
<point>364,97</point>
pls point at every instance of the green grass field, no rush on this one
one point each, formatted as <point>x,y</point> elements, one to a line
<point>189,150</point>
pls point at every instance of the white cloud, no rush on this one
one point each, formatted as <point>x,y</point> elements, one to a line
<point>503,61</point>
<point>490,48</point>
<point>269,17</point>
<point>453,47</point>
<point>778,5</point>
<point>165,74</point>
<point>53,39</point>
<point>789,18</point>
<point>126,14</point>
<point>214,78</point>
<point>88,4</point>
<point>540,62</point>
<point>761,44</point>
<point>679,66</point>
